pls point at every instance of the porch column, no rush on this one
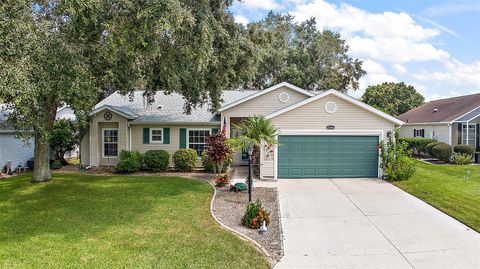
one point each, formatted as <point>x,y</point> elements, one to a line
<point>467,132</point>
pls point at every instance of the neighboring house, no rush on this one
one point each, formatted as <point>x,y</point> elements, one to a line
<point>327,134</point>
<point>453,120</point>
<point>15,150</point>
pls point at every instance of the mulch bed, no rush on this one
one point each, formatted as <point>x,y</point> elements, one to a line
<point>229,207</point>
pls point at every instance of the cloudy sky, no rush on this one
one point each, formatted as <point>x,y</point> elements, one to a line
<point>433,45</point>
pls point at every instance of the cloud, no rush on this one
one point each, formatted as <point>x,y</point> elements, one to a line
<point>465,77</point>
<point>452,8</point>
<point>400,69</point>
<point>260,4</point>
<point>376,74</point>
<point>393,38</point>
<point>241,19</point>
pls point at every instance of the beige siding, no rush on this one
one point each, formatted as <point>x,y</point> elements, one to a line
<point>264,104</point>
<point>174,145</point>
<point>85,150</point>
<point>96,146</point>
<point>347,117</point>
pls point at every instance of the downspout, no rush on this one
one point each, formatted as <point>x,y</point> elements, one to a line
<point>129,136</point>
<point>450,133</point>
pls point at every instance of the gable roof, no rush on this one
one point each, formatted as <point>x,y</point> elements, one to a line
<point>341,96</point>
<point>443,110</point>
<point>262,92</point>
<point>167,108</point>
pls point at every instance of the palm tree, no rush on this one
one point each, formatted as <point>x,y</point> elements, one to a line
<point>256,131</point>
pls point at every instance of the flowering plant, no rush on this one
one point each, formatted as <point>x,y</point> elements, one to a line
<point>222,180</point>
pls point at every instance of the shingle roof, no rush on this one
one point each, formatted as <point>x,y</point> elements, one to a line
<point>443,110</point>
<point>171,107</point>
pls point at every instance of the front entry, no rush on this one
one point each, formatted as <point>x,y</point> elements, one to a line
<point>309,156</point>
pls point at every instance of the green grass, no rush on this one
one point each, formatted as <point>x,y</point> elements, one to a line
<point>444,187</point>
<point>82,221</point>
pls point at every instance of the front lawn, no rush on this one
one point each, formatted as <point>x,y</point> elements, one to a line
<point>83,221</point>
<point>444,187</point>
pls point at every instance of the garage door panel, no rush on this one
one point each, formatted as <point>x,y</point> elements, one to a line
<point>327,156</point>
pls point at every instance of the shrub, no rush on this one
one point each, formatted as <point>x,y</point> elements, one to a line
<point>218,151</point>
<point>395,163</point>
<point>417,144</point>
<point>156,160</point>
<point>185,159</point>
<point>222,180</point>
<point>461,158</point>
<point>255,214</point>
<point>210,166</point>
<point>57,164</point>
<point>430,146</point>
<point>442,152</point>
<point>129,162</point>
<point>464,149</point>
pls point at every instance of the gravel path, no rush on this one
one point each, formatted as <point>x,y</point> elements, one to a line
<point>229,207</point>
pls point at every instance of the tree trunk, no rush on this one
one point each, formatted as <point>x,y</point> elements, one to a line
<point>41,171</point>
<point>41,167</point>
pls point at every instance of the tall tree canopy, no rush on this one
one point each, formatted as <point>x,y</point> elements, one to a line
<point>302,55</point>
<point>56,52</point>
<point>393,98</point>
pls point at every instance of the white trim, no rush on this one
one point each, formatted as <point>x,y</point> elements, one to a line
<point>341,96</point>
<point>465,114</point>
<point>427,123</point>
<point>103,143</point>
<point>188,135</point>
<point>379,133</point>
<point>262,92</point>
<point>469,120</point>
<point>466,136</point>
<point>151,136</point>
<point>334,107</point>
<point>113,109</point>
<point>285,95</point>
<point>165,123</point>
<point>450,134</point>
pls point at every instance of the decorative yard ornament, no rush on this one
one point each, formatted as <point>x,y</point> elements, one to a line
<point>263,228</point>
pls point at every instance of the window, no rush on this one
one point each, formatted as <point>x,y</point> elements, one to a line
<point>418,132</point>
<point>110,142</point>
<point>197,139</point>
<point>471,134</point>
<point>156,135</point>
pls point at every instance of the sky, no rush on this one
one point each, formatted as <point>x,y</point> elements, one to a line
<point>433,45</point>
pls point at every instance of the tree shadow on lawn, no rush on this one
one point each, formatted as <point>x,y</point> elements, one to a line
<point>79,207</point>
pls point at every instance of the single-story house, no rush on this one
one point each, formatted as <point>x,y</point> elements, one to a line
<point>15,150</point>
<point>452,120</point>
<point>321,134</point>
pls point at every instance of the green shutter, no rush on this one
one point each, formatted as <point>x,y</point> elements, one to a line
<point>183,138</point>
<point>166,135</point>
<point>146,135</point>
<point>214,130</point>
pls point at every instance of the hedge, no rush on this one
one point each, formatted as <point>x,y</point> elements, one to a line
<point>429,148</point>
<point>464,149</point>
<point>417,144</point>
<point>156,160</point>
<point>185,159</point>
<point>442,152</point>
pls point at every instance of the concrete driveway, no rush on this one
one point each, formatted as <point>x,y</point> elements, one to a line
<point>368,223</point>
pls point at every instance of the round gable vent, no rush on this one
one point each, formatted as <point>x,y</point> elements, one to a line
<point>283,97</point>
<point>330,107</point>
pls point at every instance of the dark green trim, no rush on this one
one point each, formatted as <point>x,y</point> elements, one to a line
<point>166,135</point>
<point>146,135</point>
<point>183,138</point>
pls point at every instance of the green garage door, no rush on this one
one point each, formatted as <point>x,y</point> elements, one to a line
<point>327,156</point>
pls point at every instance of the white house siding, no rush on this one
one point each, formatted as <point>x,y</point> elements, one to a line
<point>313,118</point>
<point>14,150</point>
<point>262,105</point>
<point>440,132</point>
<point>85,150</point>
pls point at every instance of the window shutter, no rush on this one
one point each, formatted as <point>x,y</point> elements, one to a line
<point>423,132</point>
<point>214,130</point>
<point>414,132</point>
<point>459,133</point>
<point>166,135</point>
<point>146,135</point>
<point>183,138</point>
